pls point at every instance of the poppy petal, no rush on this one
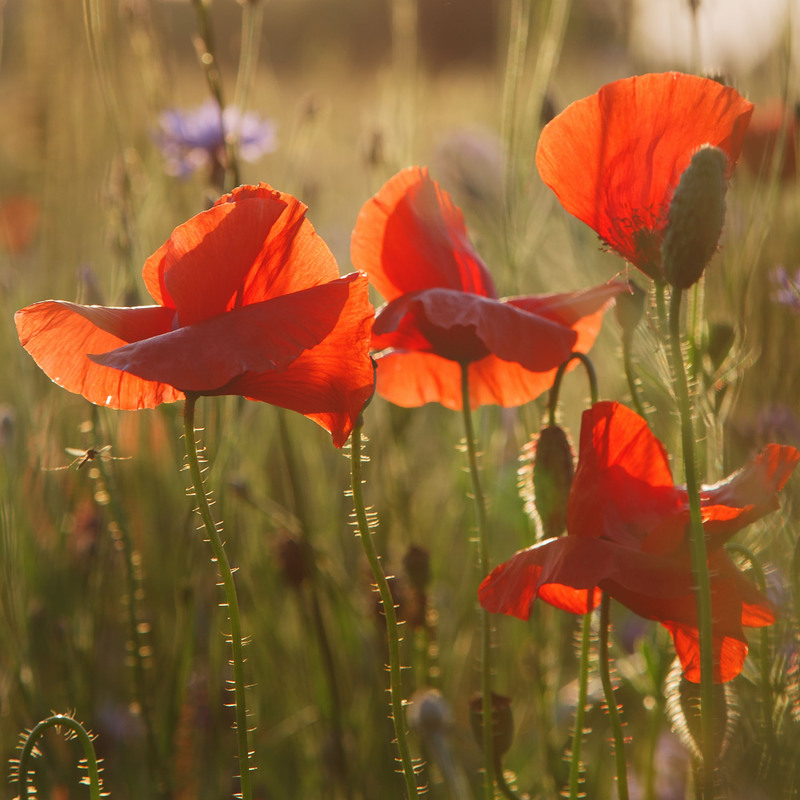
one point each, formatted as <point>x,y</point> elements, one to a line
<point>59,335</point>
<point>623,485</point>
<point>322,384</point>
<point>411,379</point>
<point>582,311</point>
<point>750,493</point>
<point>262,337</point>
<point>614,158</point>
<point>466,327</point>
<point>411,236</point>
<point>263,240</point>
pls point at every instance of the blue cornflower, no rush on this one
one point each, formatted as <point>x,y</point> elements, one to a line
<point>194,139</point>
<point>788,288</point>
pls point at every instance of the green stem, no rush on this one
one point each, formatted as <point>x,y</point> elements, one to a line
<point>767,700</point>
<point>627,357</point>
<point>580,708</point>
<point>392,632</point>
<point>702,582</point>
<point>231,599</point>
<point>483,564</point>
<point>591,374</point>
<point>209,61</point>
<point>505,789</point>
<point>75,728</point>
<point>611,703</point>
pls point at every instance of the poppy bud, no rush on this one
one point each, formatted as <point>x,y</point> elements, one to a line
<point>696,216</point>
<point>417,566</point>
<point>502,723</point>
<point>295,559</point>
<point>546,480</point>
<point>629,308</point>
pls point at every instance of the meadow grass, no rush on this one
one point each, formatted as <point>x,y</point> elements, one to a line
<point>77,139</point>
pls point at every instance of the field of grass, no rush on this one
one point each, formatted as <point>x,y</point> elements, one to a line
<point>104,560</point>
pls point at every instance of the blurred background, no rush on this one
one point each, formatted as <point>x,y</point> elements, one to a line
<point>104,150</point>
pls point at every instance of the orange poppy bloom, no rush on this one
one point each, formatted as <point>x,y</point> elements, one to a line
<point>614,158</point>
<point>627,535</point>
<point>249,302</point>
<point>442,308</point>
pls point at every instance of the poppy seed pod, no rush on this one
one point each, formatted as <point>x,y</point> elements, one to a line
<point>502,723</point>
<point>696,216</point>
<point>553,469</point>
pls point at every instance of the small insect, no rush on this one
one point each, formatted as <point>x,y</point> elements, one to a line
<point>83,457</point>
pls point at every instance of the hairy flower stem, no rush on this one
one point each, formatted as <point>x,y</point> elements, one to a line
<point>75,729</point>
<point>591,374</point>
<point>630,375</point>
<point>231,598</point>
<point>483,565</point>
<point>392,633</point>
<point>697,541</point>
<point>611,703</point>
<point>580,708</point>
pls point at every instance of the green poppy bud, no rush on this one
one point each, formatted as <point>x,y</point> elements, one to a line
<point>696,216</point>
<point>546,478</point>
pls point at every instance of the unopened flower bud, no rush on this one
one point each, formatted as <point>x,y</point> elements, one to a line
<point>502,723</point>
<point>546,478</point>
<point>629,308</point>
<point>696,216</point>
<point>417,565</point>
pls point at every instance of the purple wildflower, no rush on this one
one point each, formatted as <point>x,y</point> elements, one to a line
<point>194,139</point>
<point>788,288</point>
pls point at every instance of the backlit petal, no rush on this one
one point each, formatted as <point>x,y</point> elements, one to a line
<point>254,244</point>
<point>623,486</point>
<point>411,236</point>
<point>263,337</point>
<point>466,327</point>
<point>613,159</point>
<point>60,335</point>
<point>331,382</point>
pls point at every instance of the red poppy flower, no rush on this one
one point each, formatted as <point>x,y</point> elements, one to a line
<point>250,303</point>
<point>443,310</point>
<point>627,535</point>
<point>615,158</point>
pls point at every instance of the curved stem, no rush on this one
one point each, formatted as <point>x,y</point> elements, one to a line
<point>231,598</point>
<point>392,633</point>
<point>697,543</point>
<point>505,789</point>
<point>76,729</point>
<point>591,374</point>
<point>580,708</point>
<point>611,703</point>
<point>483,564</point>
<point>627,358</point>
